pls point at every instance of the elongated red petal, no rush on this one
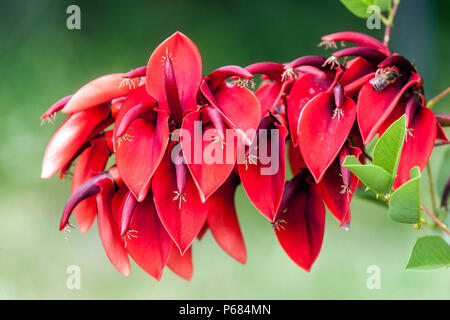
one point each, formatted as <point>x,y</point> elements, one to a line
<point>90,163</point>
<point>99,91</point>
<point>129,203</point>
<point>141,151</point>
<point>301,226</point>
<point>70,137</point>
<point>304,89</point>
<point>109,230</point>
<point>148,243</point>
<point>219,75</point>
<point>181,264</point>
<point>337,193</point>
<point>223,222</point>
<point>374,107</point>
<point>357,38</point>
<point>269,96</point>
<point>323,130</point>
<point>187,67</point>
<point>239,107</point>
<point>268,170</point>
<point>57,106</point>
<point>183,215</point>
<point>208,158</point>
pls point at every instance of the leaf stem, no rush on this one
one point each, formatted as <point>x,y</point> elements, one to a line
<point>390,20</point>
<point>433,101</point>
<point>431,188</point>
<point>435,219</point>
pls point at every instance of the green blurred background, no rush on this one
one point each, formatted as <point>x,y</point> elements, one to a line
<point>41,61</point>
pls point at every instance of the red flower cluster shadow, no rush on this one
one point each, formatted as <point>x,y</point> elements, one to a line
<point>153,202</point>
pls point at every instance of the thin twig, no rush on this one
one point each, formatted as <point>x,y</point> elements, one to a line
<point>433,101</point>
<point>435,219</point>
<point>387,31</point>
<point>443,119</point>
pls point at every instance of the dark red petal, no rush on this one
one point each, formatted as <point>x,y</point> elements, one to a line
<point>99,91</point>
<point>223,222</point>
<point>271,69</point>
<point>304,89</point>
<point>301,226</point>
<point>127,208</point>
<point>269,96</point>
<point>355,69</point>
<point>109,230</point>
<point>198,147</point>
<point>239,107</point>
<point>271,174</point>
<point>140,153</point>
<point>90,163</point>
<point>148,243</point>
<point>181,264</point>
<point>357,38</point>
<point>183,215</point>
<point>374,107</point>
<point>440,135</point>
<point>187,67</point>
<point>295,158</point>
<point>70,137</point>
<point>336,192</point>
<point>323,131</point>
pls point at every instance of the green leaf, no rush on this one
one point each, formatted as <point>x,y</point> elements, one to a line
<point>389,147</point>
<point>404,205</point>
<point>429,253</point>
<point>359,7</point>
<point>372,176</point>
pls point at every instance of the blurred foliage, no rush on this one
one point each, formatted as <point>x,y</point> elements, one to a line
<point>41,61</point>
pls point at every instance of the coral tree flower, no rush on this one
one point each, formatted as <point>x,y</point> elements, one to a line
<point>180,143</point>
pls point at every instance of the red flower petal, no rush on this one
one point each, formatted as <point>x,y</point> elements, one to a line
<point>181,264</point>
<point>183,216</point>
<point>269,96</point>
<point>187,65</point>
<point>304,89</point>
<point>336,194</point>
<point>374,107</point>
<point>148,243</point>
<point>270,173</point>
<point>223,222</point>
<point>99,91</point>
<point>208,174</point>
<point>295,158</point>
<point>90,163</point>
<point>239,107</point>
<point>109,230</point>
<point>70,137</point>
<point>139,155</point>
<point>356,69</point>
<point>322,132</point>
<point>301,226</point>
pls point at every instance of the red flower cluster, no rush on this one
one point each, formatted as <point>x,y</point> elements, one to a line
<point>158,196</point>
